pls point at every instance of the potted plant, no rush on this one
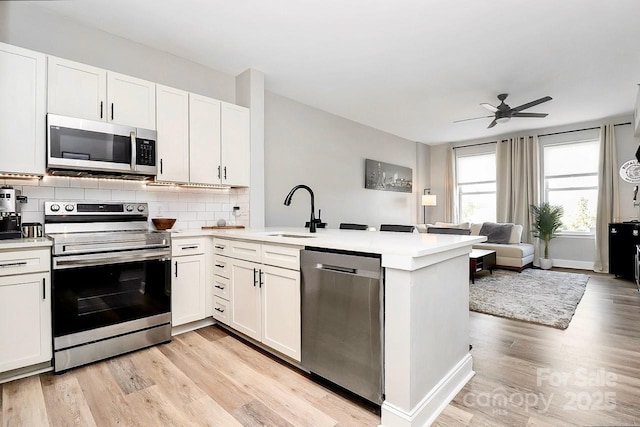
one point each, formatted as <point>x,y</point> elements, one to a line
<point>546,222</point>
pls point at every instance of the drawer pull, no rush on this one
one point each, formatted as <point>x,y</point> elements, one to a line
<point>189,247</point>
<point>221,310</point>
<point>219,247</point>
<point>14,264</point>
<point>220,265</point>
<point>219,287</point>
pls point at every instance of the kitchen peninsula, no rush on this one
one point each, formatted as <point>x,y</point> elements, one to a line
<point>426,310</point>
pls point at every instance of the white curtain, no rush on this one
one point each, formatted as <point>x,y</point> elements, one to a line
<point>517,181</point>
<point>607,209</point>
<point>450,189</point>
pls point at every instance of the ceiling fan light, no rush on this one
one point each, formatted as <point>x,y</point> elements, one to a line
<point>503,119</point>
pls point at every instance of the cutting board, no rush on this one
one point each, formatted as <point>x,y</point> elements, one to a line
<point>221,227</point>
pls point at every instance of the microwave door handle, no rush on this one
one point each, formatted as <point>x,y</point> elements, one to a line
<point>133,150</point>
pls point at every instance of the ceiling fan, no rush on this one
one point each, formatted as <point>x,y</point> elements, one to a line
<point>504,113</point>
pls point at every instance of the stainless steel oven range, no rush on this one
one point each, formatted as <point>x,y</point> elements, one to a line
<point>111,281</point>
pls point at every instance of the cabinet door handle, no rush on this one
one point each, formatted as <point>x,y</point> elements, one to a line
<point>261,275</point>
<point>218,171</point>
<point>176,268</point>
<point>225,172</point>
<point>220,265</point>
<point>219,247</point>
<point>13,264</point>
<point>101,105</point>
<point>219,287</point>
<point>189,247</point>
<point>160,166</point>
<point>219,309</point>
<point>112,111</point>
<point>254,277</point>
<point>44,289</point>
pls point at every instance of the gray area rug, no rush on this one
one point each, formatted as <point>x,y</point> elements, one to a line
<point>538,296</point>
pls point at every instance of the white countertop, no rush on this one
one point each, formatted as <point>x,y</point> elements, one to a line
<point>38,242</point>
<point>412,245</point>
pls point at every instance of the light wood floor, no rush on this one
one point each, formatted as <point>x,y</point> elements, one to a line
<point>590,375</point>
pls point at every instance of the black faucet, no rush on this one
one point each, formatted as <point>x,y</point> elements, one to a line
<point>287,202</point>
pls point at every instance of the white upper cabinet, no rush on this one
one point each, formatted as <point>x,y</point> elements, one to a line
<point>219,142</point>
<point>236,142</point>
<point>76,90</point>
<point>204,140</point>
<point>172,119</point>
<point>131,101</point>
<point>22,110</point>
<point>83,91</point>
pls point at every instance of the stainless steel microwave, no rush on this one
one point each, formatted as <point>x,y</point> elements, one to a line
<point>86,147</point>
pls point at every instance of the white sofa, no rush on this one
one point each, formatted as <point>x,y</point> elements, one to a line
<point>514,255</point>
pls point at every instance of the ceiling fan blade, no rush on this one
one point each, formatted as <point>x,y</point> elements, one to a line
<point>492,124</point>
<point>489,107</point>
<point>517,114</point>
<point>475,118</point>
<point>531,104</point>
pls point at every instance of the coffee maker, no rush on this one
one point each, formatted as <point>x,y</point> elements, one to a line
<point>9,216</point>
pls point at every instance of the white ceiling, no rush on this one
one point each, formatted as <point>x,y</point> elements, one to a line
<point>408,67</point>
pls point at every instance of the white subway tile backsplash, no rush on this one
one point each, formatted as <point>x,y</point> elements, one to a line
<point>146,196</point>
<point>196,207</point>
<point>111,185</point>
<point>192,207</point>
<point>123,195</point>
<point>205,216</point>
<point>178,206</point>
<point>55,181</point>
<point>195,224</point>
<point>22,182</point>
<point>188,216</point>
<point>97,195</point>
<point>83,183</point>
<point>167,196</point>
<point>188,196</point>
<point>33,217</point>
<point>38,192</point>
<point>70,194</point>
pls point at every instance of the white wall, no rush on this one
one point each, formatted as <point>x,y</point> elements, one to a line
<point>571,251</point>
<point>33,27</point>
<point>304,145</point>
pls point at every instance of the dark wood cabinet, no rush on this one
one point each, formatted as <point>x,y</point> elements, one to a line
<point>623,238</point>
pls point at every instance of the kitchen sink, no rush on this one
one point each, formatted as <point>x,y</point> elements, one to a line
<point>296,236</point>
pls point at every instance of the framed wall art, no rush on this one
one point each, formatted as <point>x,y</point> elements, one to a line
<point>387,177</point>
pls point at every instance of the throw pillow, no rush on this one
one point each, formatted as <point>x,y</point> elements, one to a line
<point>496,233</point>
<point>516,234</point>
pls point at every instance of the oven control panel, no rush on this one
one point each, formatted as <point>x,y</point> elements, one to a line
<point>98,209</point>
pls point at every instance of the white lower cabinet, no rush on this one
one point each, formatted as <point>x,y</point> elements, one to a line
<point>188,282</point>
<point>263,301</point>
<point>280,295</point>
<point>25,311</point>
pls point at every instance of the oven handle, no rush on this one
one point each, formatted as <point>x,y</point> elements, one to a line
<point>104,259</point>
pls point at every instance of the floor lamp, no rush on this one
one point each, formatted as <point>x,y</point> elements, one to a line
<point>428,199</point>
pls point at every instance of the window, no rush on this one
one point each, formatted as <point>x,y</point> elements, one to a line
<point>571,181</point>
<point>476,185</point>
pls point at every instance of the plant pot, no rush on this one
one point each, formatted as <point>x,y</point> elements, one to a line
<point>546,263</point>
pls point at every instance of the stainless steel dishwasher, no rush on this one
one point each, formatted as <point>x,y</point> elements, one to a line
<point>343,319</point>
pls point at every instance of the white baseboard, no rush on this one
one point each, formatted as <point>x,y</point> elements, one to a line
<point>570,263</point>
<point>430,407</point>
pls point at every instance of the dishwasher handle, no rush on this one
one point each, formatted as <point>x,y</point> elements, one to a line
<point>338,269</point>
<point>349,270</point>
